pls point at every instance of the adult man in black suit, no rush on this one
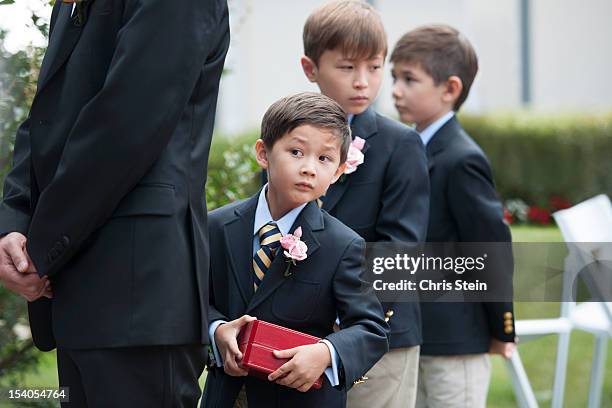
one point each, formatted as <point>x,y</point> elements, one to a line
<point>433,69</point>
<point>105,199</point>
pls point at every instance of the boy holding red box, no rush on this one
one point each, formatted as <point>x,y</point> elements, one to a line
<point>279,258</point>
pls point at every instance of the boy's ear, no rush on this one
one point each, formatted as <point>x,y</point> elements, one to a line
<point>339,172</point>
<point>454,86</point>
<point>261,155</point>
<point>310,68</point>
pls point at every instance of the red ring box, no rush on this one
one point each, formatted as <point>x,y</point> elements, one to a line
<point>258,339</point>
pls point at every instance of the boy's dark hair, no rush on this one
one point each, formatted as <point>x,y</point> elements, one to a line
<point>352,26</point>
<point>441,51</point>
<point>306,108</point>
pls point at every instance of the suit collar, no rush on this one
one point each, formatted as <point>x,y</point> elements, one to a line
<point>63,40</point>
<point>364,125</point>
<point>442,137</point>
<point>311,220</point>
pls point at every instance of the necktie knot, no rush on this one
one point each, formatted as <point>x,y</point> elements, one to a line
<point>270,236</point>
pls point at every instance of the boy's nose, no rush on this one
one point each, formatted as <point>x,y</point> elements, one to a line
<point>360,81</point>
<point>396,91</point>
<point>308,169</point>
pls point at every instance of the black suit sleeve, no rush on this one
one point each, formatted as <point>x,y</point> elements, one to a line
<point>362,340</point>
<point>119,133</point>
<point>479,216</point>
<point>404,211</point>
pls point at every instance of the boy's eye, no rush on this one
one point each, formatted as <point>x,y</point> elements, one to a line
<point>324,158</point>
<point>296,152</point>
<point>346,67</point>
<point>376,67</point>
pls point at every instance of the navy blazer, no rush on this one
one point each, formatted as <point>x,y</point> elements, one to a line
<point>387,200</point>
<point>109,172</point>
<point>325,283</point>
<point>464,208</point>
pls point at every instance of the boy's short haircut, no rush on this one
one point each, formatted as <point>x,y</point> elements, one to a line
<point>354,27</point>
<point>306,108</point>
<point>441,51</point>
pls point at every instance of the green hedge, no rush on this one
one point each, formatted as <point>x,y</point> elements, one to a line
<point>536,158</point>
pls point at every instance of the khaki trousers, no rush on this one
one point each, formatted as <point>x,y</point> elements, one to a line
<point>453,381</point>
<point>391,383</point>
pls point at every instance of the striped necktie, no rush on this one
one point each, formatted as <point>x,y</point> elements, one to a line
<point>269,239</point>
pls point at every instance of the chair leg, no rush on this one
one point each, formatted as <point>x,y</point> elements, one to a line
<point>597,370</point>
<point>560,370</point>
<point>522,387</point>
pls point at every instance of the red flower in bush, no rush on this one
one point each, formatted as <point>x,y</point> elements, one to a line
<point>508,217</point>
<point>538,215</point>
<point>559,203</point>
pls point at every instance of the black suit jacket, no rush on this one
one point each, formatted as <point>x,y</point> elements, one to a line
<point>109,172</point>
<point>464,207</point>
<point>327,282</point>
<point>387,200</point>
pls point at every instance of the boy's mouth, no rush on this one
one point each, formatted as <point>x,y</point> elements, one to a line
<point>305,186</point>
<point>401,109</point>
<point>360,99</point>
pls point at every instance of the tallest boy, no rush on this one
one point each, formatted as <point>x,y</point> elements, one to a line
<point>386,198</point>
<point>106,197</point>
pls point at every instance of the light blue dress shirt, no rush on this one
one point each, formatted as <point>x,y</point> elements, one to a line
<point>431,130</point>
<point>262,217</point>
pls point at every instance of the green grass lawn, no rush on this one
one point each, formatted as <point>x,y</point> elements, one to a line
<point>538,355</point>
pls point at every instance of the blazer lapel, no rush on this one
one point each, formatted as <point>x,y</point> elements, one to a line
<point>310,219</point>
<point>240,246</point>
<point>363,126</point>
<point>63,40</point>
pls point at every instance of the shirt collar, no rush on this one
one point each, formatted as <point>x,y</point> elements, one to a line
<point>350,118</point>
<point>431,130</point>
<point>263,216</point>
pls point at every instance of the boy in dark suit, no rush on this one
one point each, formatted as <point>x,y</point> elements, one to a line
<point>304,145</point>
<point>433,69</point>
<point>384,195</point>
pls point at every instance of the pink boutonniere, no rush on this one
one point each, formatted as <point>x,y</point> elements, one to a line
<point>294,248</point>
<point>355,156</point>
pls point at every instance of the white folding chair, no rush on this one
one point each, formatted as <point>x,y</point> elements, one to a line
<point>587,230</point>
<point>590,224</point>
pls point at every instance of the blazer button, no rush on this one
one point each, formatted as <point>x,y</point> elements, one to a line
<point>508,315</point>
<point>361,380</point>
<point>389,313</point>
<point>66,240</point>
<point>53,254</point>
<point>508,329</point>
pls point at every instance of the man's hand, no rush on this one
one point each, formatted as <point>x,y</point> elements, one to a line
<point>226,340</point>
<point>17,271</point>
<point>502,348</point>
<point>305,367</point>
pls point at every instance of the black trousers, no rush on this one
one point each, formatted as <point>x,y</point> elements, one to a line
<point>154,376</point>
